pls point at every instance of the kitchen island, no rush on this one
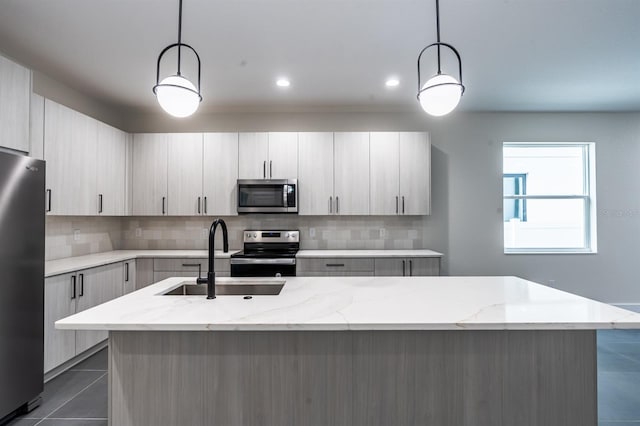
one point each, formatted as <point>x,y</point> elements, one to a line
<point>355,351</point>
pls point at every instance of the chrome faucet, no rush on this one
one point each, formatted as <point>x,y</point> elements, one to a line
<point>210,281</point>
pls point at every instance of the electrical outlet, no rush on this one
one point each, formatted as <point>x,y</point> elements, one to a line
<point>383,232</point>
<point>312,232</point>
<point>76,235</point>
<point>138,232</point>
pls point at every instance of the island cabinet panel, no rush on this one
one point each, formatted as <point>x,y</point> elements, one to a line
<point>15,91</point>
<point>220,174</point>
<point>315,174</point>
<point>372,378</point>
<point>71,293</point>
<point>332,267</point>
<point>150,174</point>
<point>59,302</point>
<point>184,174</point>
<point>407,267</point>
<point>351,173</point>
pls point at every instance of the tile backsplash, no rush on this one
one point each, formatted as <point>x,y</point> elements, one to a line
<point>76,236</point>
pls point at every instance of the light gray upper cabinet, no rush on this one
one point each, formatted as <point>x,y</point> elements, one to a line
<point>70,152</point>
<point>150,174</point>
<point>184,195</point>
<point>283,155</point>
<point>253,153</point>
<point>15,92</point>
<point>315,177</point>
<point>415,173</point>
<point>111,171</point>
<point>351,173</point>
<point>36,127</point>
<point>400,173</point>
<point>385,173</point>
<point>220,174</point>
<point>268,155</point>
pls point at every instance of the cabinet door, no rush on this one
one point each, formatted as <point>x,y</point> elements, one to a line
<point>59,302</point>
<point>220,174</point>
<point>150,174</point>
<point>415,173</point>
<point>283,155</point>
<point>36,127</point>
<point>184,196</point>
<point>15,90</point>
<point>144,273</point>
<point>70,151</point>
<point>423,266</point>
<point>111,170</point>
<point>129,276</point>
<point>385,173</point>
<point>315,176</point>
<point>253,154</point>
<point>391,267</point>
<point>97,286</point>
<point>351,174</point>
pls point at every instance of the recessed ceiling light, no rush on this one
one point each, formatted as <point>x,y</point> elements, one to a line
<point>283,82</point>
<point>392,82</point>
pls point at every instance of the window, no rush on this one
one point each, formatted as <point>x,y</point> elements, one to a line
<point>549,197</point>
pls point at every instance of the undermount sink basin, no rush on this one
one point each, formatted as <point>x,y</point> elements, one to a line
<point>231,287</point>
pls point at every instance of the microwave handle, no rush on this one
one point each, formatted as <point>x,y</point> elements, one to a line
<point>285,197</point>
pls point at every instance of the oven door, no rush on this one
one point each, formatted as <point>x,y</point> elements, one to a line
<point>266,267</point>
<point>267,196</point>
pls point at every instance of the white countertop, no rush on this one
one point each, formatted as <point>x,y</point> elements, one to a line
<point>361,303</point>
<point>71,264</point>
<point>367,253</point>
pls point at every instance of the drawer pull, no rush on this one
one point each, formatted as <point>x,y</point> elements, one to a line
<point>73,287</point>
<point>337,265</point>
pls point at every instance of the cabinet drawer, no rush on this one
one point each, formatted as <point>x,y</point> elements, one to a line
<point>335,274</point>
<point>336,265</point>
<point>190,265</point>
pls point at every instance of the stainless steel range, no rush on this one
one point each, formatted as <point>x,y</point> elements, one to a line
<point>266,254</point>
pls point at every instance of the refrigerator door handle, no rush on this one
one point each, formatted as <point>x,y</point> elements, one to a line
<point>48,200</point>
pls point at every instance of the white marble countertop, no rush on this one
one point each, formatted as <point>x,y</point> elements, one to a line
<point>71,264</point>
<point>367,253</point>
<point>360,303</point>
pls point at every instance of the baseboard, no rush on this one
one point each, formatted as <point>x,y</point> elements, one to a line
<point>52,374</point>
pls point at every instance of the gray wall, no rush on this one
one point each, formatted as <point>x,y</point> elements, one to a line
<point>466,223</point>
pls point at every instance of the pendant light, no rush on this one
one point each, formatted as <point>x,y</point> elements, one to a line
<point>176,94</point>
<point>442,92</point>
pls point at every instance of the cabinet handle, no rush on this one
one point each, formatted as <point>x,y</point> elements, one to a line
<point>163,200</point>
<point>199,212</point>
<point>335,265</point>
<point>205,205</point>
<point>193,265</point>
<point>403,204</point>
<point>264,169</point>
<point>330,204</point>
<point>73,287</point>
<point>81,285</point>
<point>396,204</point>
<point>126,272</point>
<point>404,264</point>
<point>271,169</point>
<point>99,203</point>
<point>410,268</point>
<point>337,205</point>
<point>48,200</point>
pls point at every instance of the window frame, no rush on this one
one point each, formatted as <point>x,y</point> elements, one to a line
<point>588,196</point>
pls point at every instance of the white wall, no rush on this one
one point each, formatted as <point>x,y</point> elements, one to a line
<point>466,223</point>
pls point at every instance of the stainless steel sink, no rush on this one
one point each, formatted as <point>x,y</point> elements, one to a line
<point>231,287</point>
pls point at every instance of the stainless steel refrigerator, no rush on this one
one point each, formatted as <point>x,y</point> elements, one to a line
<point>22,222</point>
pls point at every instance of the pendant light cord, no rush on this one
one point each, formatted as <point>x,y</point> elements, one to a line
<point>437,32</point>
<point>180,35</point>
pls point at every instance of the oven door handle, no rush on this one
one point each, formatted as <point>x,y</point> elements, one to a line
<point>243,261</point>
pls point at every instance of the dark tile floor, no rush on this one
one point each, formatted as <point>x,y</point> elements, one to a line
<point>79,396</point>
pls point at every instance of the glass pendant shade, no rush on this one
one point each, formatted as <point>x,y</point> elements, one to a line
<point>440,95</point>
<point>178,96</point>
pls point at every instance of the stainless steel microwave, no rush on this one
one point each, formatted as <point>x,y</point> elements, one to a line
<point>267,196</point>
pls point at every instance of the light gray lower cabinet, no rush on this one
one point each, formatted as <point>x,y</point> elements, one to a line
<point>129,276</point>
<point>334,267</point>
<point>407,267</point>
<point>166,268</point>
<point>71,293</point>
<point>144,273</point>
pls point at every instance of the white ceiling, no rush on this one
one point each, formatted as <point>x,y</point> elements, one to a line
<point>518,55</point>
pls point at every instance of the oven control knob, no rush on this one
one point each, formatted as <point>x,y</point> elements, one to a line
<point>255,235</point>
<point>248,235</point>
